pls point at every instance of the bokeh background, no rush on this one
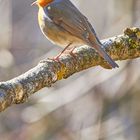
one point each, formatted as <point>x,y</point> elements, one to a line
<point>95,104</point>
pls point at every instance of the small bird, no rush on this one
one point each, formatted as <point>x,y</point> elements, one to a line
<point>63,24</point>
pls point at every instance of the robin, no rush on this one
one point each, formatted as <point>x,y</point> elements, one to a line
<point>63,24</point>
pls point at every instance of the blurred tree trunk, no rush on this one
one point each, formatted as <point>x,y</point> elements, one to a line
<point>120,10</point>
<point>111,17</point>
<point>136,15</point>
<point>95,15</point>
<point>5,24</point>
<point>119,15</point>
<point>6,58</point>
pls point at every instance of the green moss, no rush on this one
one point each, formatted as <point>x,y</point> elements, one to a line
<point>138,35</point>
<point>61,73</point>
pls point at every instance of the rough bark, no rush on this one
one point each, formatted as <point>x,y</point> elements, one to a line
<point>47,72</point>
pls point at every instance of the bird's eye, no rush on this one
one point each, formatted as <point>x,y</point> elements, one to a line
<point>49,7</point>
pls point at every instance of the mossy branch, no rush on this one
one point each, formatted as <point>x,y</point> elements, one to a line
<point>47,72</point>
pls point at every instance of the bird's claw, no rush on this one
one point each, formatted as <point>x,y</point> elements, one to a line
<point>56,59</point>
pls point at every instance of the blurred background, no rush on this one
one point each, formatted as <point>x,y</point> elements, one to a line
<point>95,104</point>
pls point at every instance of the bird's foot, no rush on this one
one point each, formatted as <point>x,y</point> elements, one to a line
<point>72,54</point>
<point>56,58</point>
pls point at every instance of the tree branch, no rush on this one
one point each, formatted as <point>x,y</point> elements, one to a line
<point>47,72</point>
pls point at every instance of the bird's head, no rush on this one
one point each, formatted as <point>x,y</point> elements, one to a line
<point>42,3</point>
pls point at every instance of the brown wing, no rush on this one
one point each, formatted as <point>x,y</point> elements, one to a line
<point>67,16</point>
<point>64,14</point>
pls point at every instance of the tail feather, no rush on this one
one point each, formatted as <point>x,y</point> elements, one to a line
<point>104,54</point>
<point>95,43</point>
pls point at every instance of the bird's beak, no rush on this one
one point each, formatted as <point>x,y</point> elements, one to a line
<point>34,3</point>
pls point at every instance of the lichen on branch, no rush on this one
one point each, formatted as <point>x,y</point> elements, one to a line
<point>47,72</point>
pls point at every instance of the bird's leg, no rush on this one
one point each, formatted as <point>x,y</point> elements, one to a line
<point>56,58</point>
<point>63,51</point>
<point>72,54</point>
<point>71,51</point>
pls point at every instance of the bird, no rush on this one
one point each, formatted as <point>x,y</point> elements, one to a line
<point>64,25</point>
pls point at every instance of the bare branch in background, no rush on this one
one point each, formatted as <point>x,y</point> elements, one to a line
<point>47,72</point>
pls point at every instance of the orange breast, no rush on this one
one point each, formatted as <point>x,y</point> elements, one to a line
<point>43,3</point>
